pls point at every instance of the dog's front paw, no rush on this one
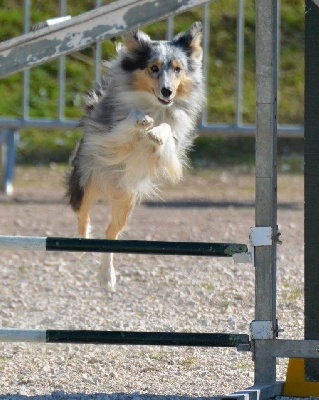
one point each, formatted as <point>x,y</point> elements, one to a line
<point>155,136</point>
<point>159,134</point>
<point>143,122</point>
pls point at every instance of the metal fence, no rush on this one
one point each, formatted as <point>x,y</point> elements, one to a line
<point>206,124</point>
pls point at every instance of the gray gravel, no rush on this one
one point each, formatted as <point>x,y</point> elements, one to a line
<point>154,293</point>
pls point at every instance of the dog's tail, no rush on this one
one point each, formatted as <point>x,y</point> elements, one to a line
<point>74,187</point>
<point>74,190</point>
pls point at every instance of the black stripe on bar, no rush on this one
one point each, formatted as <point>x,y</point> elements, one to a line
<point>146,338</point>
<point>145,247</point>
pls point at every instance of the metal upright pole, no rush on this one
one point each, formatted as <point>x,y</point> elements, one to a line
<point>311,182</point>
<point>266,182</point>
<point>61,105</point>
<point>26,73</point>
<point>98,51</point>
<point>240,61</point>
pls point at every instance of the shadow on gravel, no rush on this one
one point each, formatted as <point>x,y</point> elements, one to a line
<point>159,204</point>
<point>215,204</point>
<point>60,395</point>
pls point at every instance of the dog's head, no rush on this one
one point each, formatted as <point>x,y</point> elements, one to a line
<point>163,68</point>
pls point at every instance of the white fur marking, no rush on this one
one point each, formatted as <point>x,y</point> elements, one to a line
<point>106,274</point>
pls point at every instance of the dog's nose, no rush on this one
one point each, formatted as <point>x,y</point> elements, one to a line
<point>166,92</point>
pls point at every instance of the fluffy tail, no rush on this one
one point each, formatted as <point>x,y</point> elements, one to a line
<point>74,190</point>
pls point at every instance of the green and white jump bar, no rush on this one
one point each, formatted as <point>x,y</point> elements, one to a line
<point>124,337</point>
<point>39,243</point>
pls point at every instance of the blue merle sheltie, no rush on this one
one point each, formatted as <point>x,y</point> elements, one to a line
<point>138,126</point>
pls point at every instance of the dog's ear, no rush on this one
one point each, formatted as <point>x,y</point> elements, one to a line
<point>190,40</point>
<point>134,39</point>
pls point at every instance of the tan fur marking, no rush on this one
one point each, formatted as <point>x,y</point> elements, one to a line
<point>184,86</point>
<point>197,49</point>
<point>130,44</point>
<point>120,212</point>
<point>176,64</point>
<point>143,81</point>
<point>125,150</point>
<point>83,213</point>
<point>196,46</point>
<point>158,64</point>
<point>130,41</point>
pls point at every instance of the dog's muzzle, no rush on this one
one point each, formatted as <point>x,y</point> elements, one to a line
<point>166,94</point>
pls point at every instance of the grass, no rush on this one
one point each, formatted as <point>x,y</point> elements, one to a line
<point>189,361</point>
<point>240,365</point>
<point>291,293</point>
<point>38,146</point>
<point>207,286</point>
<point>227,152</point>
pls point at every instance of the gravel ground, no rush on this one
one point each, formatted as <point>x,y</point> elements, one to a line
<point>154,293</point>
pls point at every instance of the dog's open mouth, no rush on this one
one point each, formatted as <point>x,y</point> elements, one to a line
<point>166,102</point>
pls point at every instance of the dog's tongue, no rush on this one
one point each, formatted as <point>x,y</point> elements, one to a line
<point>164,101</point>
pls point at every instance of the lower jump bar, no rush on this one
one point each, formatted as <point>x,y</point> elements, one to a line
<point>124,338</point>
<point>121,246</point>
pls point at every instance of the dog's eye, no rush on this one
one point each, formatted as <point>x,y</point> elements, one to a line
<point>177,70</point>
<point>154,68</point>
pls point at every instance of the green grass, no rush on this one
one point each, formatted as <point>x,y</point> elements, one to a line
<point>189,361</point>
<point>42,146</point>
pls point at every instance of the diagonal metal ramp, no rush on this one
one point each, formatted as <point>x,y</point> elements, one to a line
<point>51,42</point>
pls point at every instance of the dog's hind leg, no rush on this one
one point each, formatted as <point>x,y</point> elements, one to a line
<point>120,207</point>
<point>83,212</point>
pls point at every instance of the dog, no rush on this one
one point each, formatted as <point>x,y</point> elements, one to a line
<point>138,127</point>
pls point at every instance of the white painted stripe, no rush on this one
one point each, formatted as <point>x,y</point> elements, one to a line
<point>23,243</point>
<point>22,335</point>
<point>57,20</point>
